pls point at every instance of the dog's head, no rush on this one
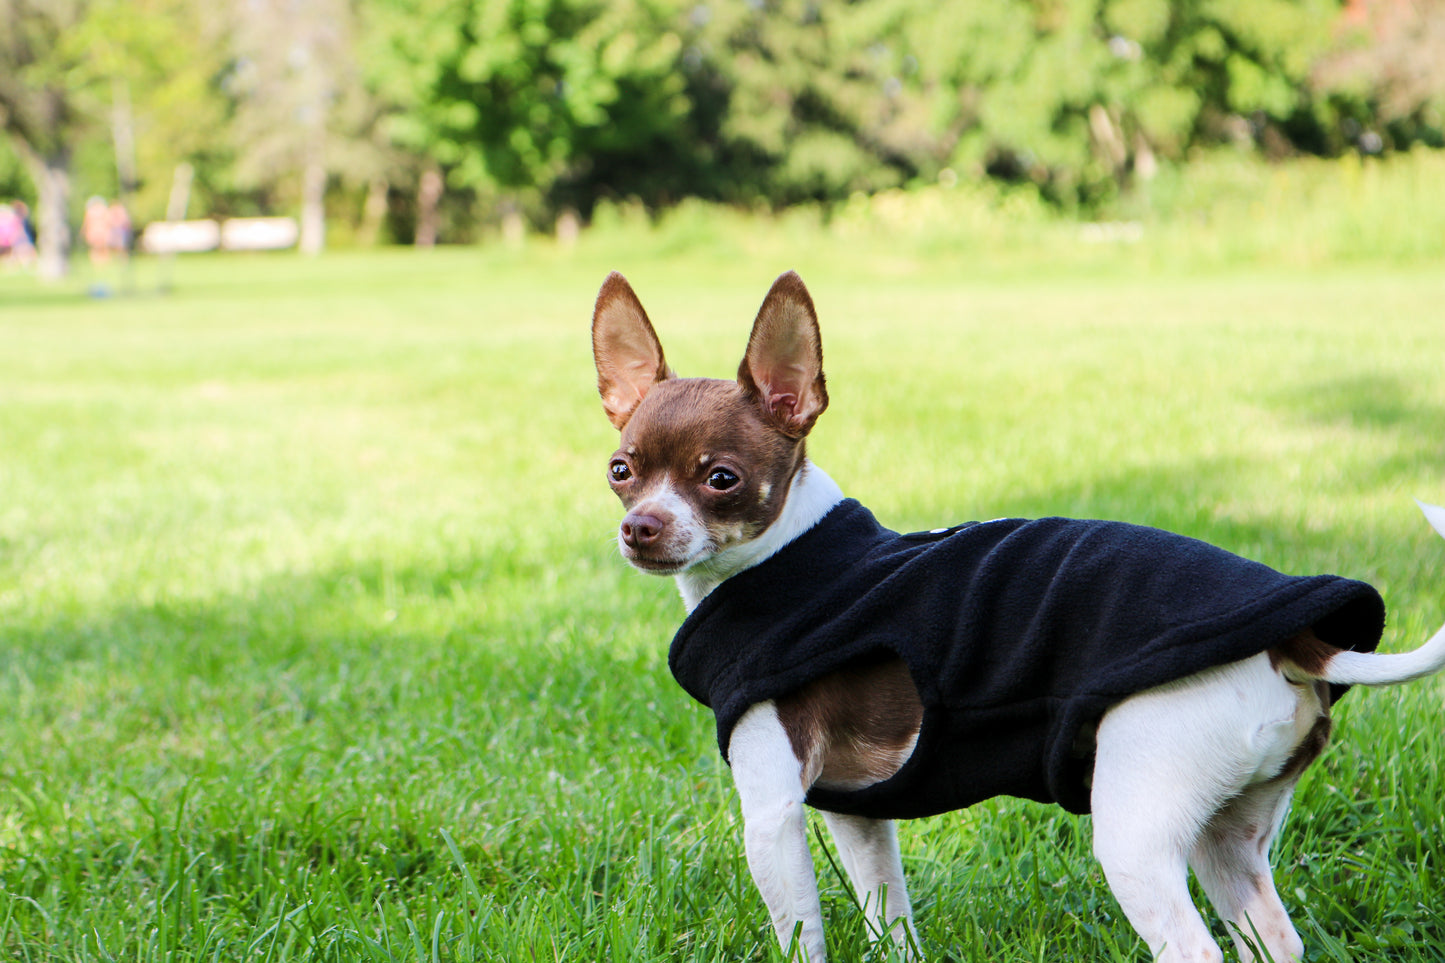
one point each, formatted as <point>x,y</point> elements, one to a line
<point>705,464</point>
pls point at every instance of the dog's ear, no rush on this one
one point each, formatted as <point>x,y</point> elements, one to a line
<point>783,367</point>
<point>626,350</point>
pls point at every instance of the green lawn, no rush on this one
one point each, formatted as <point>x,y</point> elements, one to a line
<point>316,645</point>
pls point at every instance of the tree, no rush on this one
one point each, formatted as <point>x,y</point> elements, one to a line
<point>301,107</point>
<point>158,64</point>
<point>403,46</point>
<point>1079,96</point>
<point>138,71</point>
<point>43,109</point>
<point>1386,75</point>
<point>539,103</point>
<point>814,107</point>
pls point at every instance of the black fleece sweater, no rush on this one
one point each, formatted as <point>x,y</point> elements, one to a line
<point>1017,633</point>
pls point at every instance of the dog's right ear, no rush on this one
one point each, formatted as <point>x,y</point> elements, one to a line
<point>626,350</point>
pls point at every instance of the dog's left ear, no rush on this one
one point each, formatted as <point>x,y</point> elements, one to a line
<point>783,367</point>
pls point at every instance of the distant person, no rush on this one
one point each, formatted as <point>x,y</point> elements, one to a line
<point>95,228</point>
<point>121,233</point>
<point>23,253</point>
<point>10,230</point>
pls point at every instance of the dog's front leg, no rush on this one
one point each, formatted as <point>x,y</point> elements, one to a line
<point>769,778</point>
<point>869,851</point>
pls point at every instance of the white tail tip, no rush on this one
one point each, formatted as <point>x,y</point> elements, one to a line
<point>1434,514</point>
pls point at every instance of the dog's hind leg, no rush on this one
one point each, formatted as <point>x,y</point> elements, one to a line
<point>869,851</point>
<point>769,779</point>
<point>1165,762</point>
<point>1231,861</point>
<point>1199,771</point>
<point>1143,857</point>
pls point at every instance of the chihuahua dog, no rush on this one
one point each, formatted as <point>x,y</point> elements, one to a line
<point>1170,688</point>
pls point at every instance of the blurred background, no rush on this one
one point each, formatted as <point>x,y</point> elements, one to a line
<point>373,122</point>
<point>314,640</point>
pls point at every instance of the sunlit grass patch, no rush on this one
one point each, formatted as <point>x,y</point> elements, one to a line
<point>316,645</point>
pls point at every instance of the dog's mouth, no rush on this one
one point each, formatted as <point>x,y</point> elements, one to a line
<point>663,559</point>
<point>654,565</point>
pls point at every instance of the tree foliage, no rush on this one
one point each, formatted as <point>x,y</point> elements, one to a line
<point>46,98</point>
<point>566,101</point>
<point>74,73</point>
<point>544,105</point>
<point>1386,77</point>
<point>542,99</point>
<point>301,109</point>
<point>1081,95</point>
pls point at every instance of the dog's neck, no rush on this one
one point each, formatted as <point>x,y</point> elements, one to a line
<point>811,495</point>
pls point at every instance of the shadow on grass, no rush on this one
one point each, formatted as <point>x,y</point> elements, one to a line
<point>1370,402</point>
<point>1392,414</point>
<point>204,768</point>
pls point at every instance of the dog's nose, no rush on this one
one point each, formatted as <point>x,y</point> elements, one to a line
<point>640,531</point>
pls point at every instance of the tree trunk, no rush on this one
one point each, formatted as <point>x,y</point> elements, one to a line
<point>180,198</point>
<point>428,197</point>
<point>122,132</point>
<point>514,227</point>
<point>1107,137</point>
<point>52,180</point>
<point>373,212</point>
<point>569,228</point>
<point>313,207</point>
<point>1146,166</point>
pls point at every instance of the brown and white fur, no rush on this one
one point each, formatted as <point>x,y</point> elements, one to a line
<point>1195,775</point>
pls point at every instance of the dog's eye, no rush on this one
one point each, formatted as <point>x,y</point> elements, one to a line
<point>721,479</point>
<point>619,471</point>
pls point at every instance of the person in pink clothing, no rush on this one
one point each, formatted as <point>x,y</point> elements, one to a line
<point>95,229</point>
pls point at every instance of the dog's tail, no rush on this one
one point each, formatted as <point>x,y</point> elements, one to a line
<point>1370,668</point>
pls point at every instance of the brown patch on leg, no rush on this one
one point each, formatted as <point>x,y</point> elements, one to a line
<point>854,727</point>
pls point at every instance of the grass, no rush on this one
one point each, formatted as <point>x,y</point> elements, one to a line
<point>315,645</point>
